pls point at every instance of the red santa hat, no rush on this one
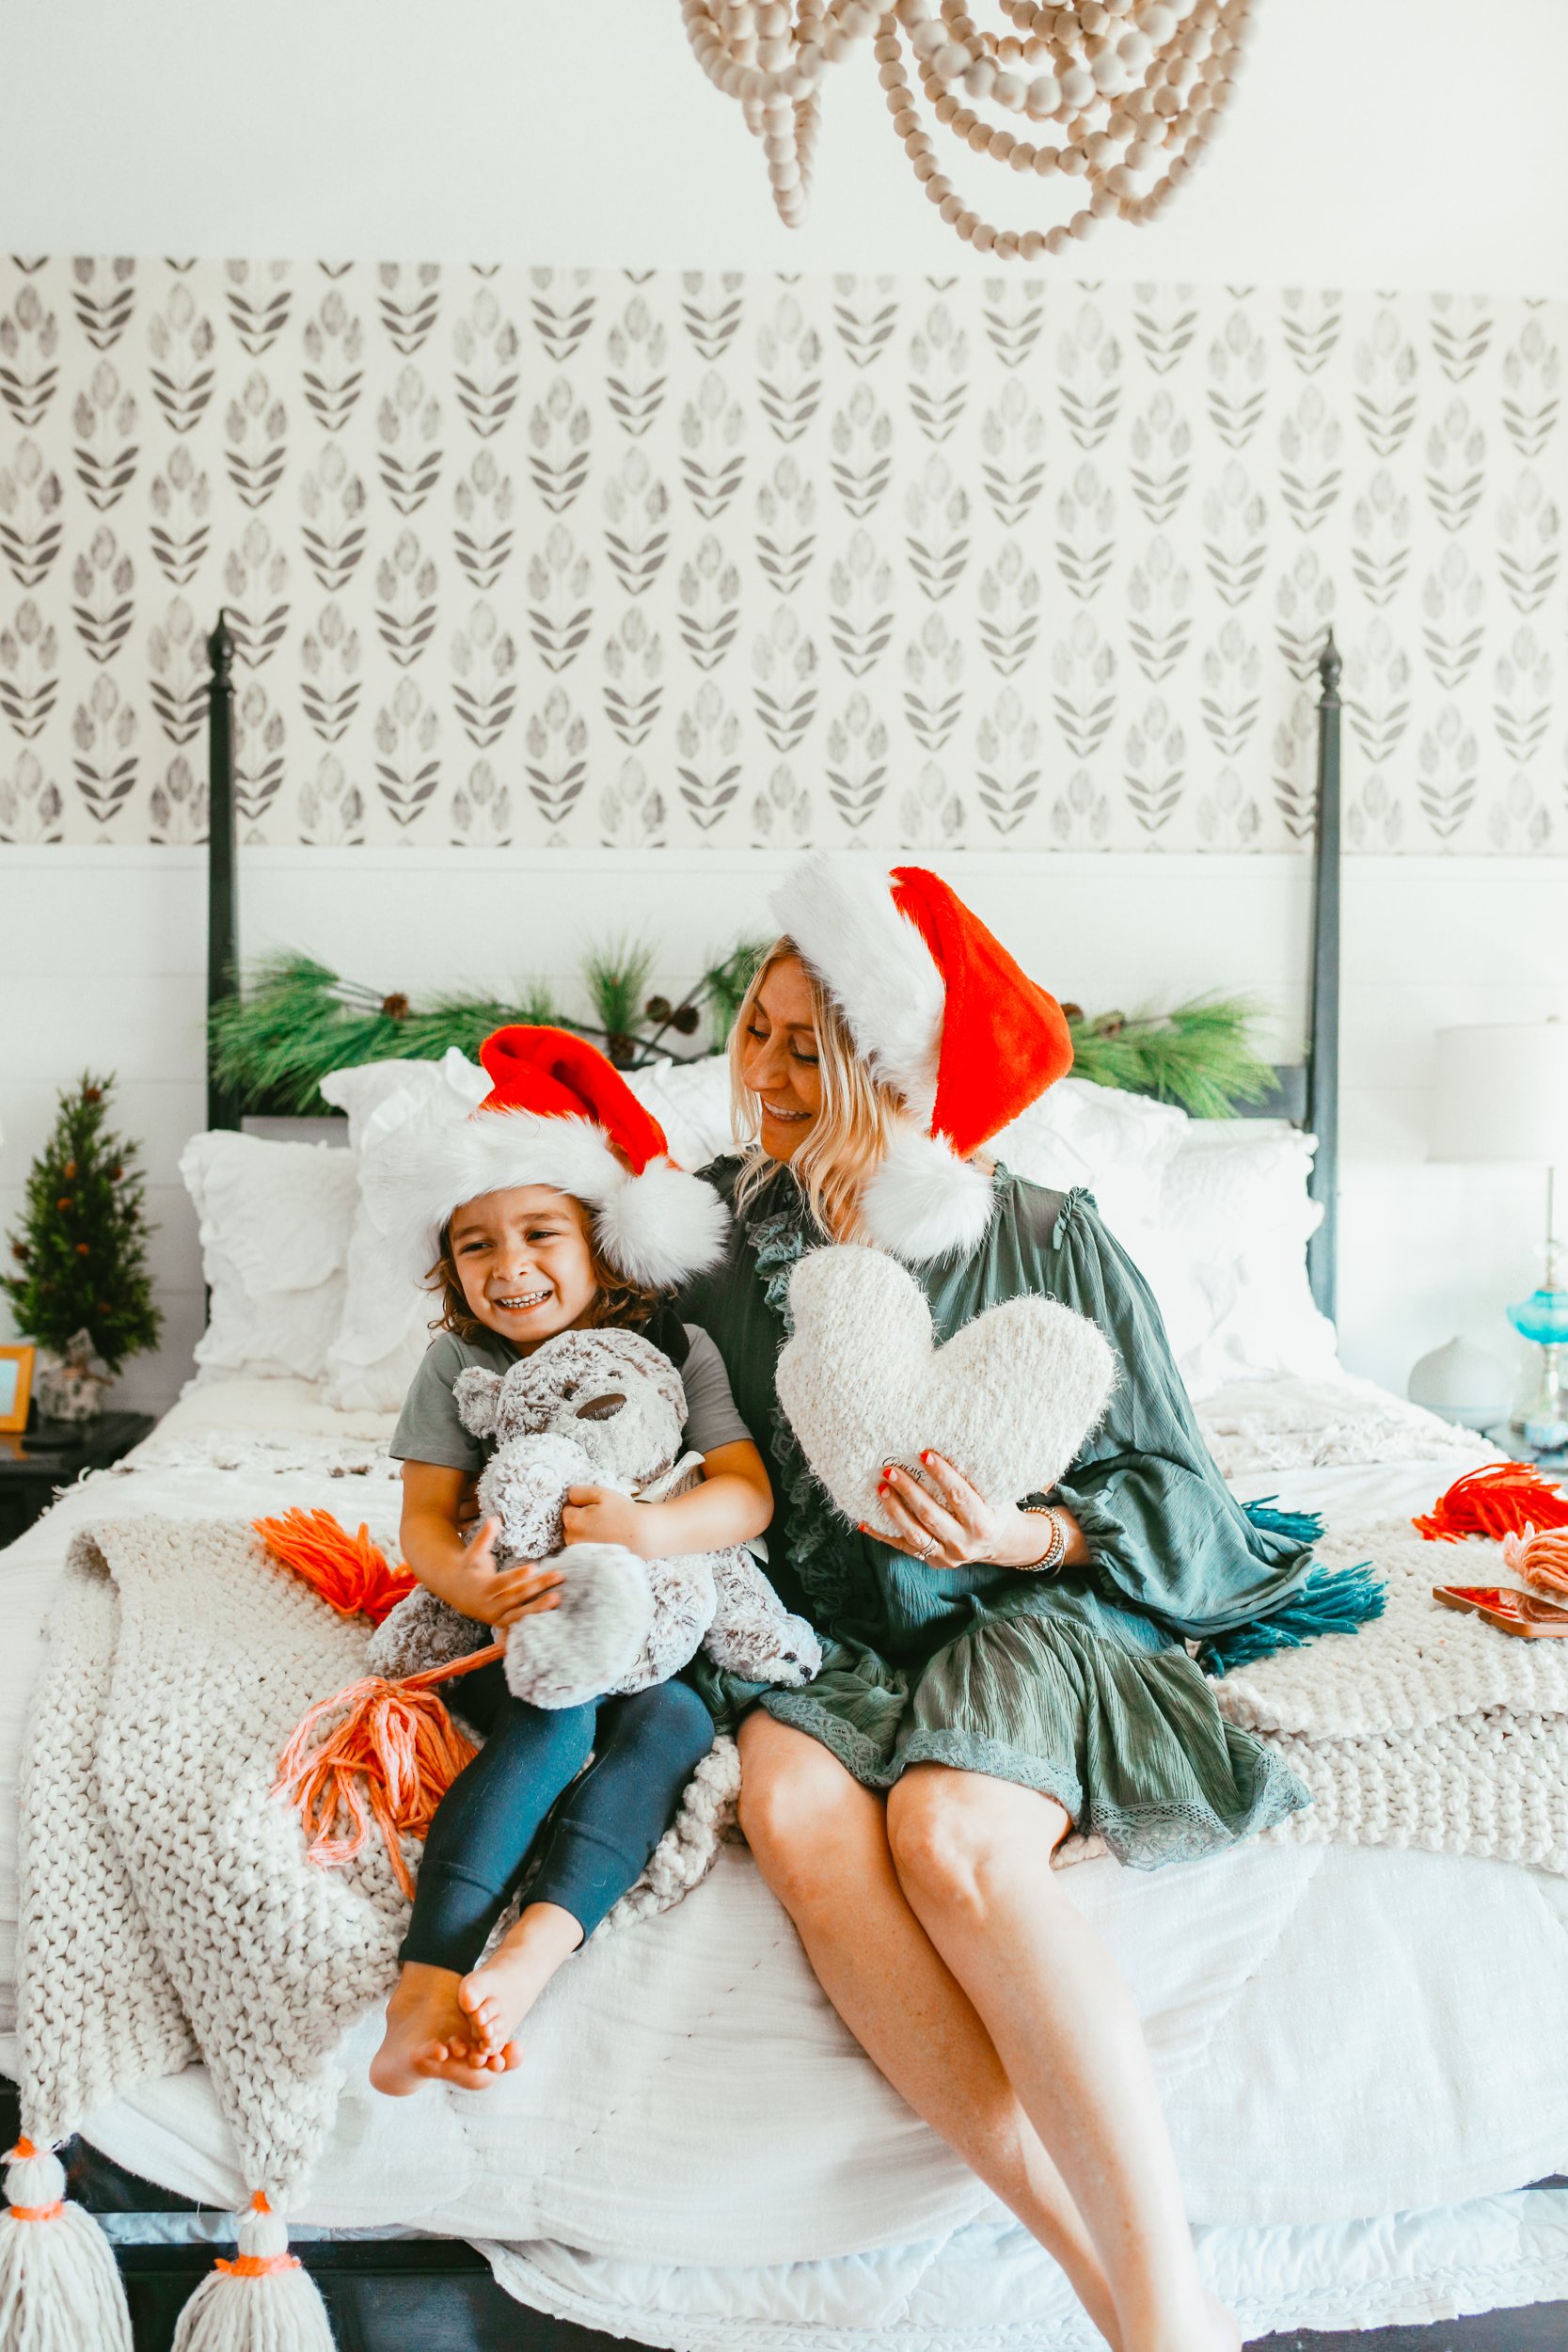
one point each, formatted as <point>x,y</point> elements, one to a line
<point>941,1013</point>
<point>557,1114</point>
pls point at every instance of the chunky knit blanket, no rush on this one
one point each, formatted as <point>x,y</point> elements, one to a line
<point>168,1913</point>
<point>1426,1728</point>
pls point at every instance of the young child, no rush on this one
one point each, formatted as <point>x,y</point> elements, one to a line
<point>552,1208</point>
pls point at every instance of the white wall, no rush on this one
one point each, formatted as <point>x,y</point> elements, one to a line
<point>1407,143</point>
<point>102,954</point>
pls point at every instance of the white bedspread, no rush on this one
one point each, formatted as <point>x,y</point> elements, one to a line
<point>1325,2024</point>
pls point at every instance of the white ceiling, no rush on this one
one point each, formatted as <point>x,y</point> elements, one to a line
<point>1386,143</point>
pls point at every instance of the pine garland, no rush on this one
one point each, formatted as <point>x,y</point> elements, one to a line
<point>1199,1056</point>
<point>81,1252</point>
<point>273,1045</point>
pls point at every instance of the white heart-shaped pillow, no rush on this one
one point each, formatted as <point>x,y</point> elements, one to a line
<point>1009,1399</point>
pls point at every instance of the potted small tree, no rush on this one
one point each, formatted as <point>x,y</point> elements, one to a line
<point>80,1285</point>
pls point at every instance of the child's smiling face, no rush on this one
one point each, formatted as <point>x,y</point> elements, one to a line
<point>525,1261</point>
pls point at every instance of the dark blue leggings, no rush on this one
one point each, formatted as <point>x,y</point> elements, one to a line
<point>599,1835</point>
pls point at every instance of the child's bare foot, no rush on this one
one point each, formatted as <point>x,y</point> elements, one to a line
<point>429,2037</point>
<point>496,1996</point>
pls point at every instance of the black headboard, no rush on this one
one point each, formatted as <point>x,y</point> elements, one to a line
<point>1306,1092</point>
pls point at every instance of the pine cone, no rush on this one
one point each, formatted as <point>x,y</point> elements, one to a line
<point>92,1094</point>
<point>63,1202</point>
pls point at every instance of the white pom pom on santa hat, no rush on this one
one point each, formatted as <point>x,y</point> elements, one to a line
<point>558,1114</point>
<point>941,1014</point>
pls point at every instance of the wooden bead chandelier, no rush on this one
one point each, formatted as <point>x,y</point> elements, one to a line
<point>1138,86</point>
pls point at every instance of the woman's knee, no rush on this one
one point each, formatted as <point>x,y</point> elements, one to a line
<point>957,1838</point>
<point>800,1809</point>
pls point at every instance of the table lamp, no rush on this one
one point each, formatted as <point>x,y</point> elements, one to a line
<point>1502,1094</point>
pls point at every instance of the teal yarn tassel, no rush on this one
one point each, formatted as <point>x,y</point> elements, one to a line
<point>1303,1526</point>
<point>1332,1600</point>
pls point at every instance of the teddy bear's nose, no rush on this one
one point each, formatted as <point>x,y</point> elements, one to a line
<point>600,1408</point>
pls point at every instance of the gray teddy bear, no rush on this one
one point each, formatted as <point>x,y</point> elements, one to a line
<point>600,1408</point>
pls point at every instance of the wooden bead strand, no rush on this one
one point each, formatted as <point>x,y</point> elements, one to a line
<point>1139,86</point>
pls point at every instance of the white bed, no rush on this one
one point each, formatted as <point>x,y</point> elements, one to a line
<point>694,2147</point>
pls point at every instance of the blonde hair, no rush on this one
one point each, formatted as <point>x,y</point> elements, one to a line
<point>850,1136</point>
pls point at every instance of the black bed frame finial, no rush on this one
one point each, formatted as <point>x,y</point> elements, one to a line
<point>1322,1058</point>
<point>222,944</point>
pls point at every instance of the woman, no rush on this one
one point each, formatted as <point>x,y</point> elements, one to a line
<point>1007,1672</point>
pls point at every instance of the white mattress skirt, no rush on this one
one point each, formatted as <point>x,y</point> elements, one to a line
<point>989,2288</point>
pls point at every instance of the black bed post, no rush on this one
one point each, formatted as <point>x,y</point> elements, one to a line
<point>1322,1062</point>
<point>222,921</point>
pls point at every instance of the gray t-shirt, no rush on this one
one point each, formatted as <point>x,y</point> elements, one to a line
<point>429,1429</point>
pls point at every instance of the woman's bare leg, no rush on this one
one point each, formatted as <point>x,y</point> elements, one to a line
<point>820,1841</point>
<point>972,1856</point>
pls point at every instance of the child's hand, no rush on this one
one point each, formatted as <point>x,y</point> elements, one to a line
<point>500,1597</point>
<point>598,1515</point>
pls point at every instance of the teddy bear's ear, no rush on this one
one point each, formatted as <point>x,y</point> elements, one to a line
<point>476,1395</point>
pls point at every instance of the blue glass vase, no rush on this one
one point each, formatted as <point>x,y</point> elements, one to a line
<point>1543,1318</point>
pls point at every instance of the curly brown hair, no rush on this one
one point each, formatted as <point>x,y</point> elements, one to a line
<point>617,1302</point>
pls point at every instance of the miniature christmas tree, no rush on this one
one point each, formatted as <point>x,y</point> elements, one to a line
<point>80,1258</point>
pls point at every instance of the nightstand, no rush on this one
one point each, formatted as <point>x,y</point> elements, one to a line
<point>34,1463</point>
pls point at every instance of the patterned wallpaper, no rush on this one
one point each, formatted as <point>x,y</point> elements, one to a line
<point>593,558</point>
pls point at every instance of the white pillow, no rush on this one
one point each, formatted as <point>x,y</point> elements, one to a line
<point>275,1220</point>
<point>1227,1261</point>
<point>1117,1145</point>
<point>690,1101</point>
<point>385,1324</point>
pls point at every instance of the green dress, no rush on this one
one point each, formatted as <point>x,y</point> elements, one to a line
<point>1079,1684</point>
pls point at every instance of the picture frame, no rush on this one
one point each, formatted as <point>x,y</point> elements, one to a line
<point>16,1385</point>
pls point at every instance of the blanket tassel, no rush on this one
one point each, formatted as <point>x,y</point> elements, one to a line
<point>1332,1600</point>
<point>60,2287</point>
<point>265,2301</point>
<point>378,1751</point>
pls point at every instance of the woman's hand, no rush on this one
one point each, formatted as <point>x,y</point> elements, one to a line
<point>499,1596</point>
<point>948,1523</point>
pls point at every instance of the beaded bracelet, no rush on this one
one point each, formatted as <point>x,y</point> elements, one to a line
<point>1057,1552</point>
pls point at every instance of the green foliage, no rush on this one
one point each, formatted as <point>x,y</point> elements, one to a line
<point>273,1046</point>
<point>1200,1056</point>
<point>724,984</point>
<point>615,978</point>
<point>80,1255</point>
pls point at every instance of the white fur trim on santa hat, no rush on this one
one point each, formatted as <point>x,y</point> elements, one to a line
<point>923,1201</point>
<point>838,908</point>
<point>656,1229</point>
<point>663,1225</point>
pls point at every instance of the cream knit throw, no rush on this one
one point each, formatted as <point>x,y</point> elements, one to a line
<point>1427,1728</point>
<point>168,1910</point>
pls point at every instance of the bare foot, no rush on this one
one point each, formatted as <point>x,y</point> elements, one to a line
<point>496,1996</point>
<point>428,2035</point>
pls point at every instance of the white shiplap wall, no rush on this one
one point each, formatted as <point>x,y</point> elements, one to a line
<point>102,961</point>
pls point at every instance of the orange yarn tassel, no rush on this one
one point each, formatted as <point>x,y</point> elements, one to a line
<point>387,1762</point>
<point>1504,1499</point>
<point>349,1573</point>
